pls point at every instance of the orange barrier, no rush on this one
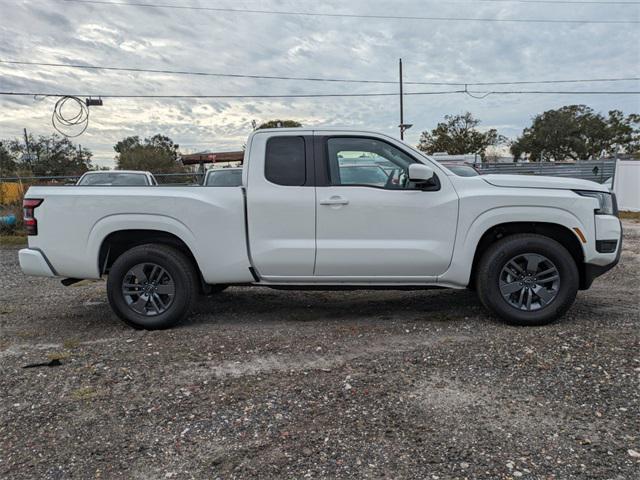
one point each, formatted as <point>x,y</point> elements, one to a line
<point>11,193</point>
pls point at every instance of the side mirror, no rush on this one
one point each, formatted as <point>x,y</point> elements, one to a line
<point>420,173</point>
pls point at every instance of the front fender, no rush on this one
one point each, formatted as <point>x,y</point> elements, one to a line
<point>459,272</point>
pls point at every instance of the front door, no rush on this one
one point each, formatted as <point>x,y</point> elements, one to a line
<point>373,224</point>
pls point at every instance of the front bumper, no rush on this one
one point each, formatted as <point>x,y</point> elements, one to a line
<point>592,271</point>
<point>34,262</point>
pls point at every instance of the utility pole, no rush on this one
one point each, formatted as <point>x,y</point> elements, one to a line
<point>26,141</point>
<point>403,126</point>
<point>401,104</point>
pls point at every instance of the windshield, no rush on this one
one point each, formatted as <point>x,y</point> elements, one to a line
<point>113,179</point>
<point>224,178</point>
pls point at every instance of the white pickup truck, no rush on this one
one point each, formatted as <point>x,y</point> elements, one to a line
<point>326,209</point>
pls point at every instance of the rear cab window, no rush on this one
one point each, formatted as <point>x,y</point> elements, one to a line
<point>286,161</point>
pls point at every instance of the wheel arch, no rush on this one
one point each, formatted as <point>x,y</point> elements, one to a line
<point>136,229</point>
<point>560,233</point>
<point>120,241</point>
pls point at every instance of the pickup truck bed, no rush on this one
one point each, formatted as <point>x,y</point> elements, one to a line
<point>209,221</point>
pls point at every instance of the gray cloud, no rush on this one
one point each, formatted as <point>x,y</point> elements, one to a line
<point>53,31</point>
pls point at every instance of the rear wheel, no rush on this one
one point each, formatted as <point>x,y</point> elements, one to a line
<point>152,286</point>
<point>527,279</point>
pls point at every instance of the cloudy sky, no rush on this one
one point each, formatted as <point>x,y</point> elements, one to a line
<point>56,31</point>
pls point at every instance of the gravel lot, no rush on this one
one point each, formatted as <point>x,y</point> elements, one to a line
<point>281,384</point>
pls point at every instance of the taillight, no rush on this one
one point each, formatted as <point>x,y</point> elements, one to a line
<point>30,222</point>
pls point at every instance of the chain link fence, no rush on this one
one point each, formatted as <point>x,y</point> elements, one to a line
<point>12,188</point>
<point>594,170</point>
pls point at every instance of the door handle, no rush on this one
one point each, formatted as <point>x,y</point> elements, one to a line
<point>335,200</point>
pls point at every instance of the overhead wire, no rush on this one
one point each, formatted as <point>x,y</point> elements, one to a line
<point>350,15</point>
<point>222,96</point>
<point>310,79</point>
<point>327,95</point>
<point>65,122</point>
<point>563,2</point>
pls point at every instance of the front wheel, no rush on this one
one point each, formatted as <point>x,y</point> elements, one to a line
<point>152,286</point>
<point>527,279</point>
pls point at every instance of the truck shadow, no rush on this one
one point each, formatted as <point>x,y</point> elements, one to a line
<point>263,304</point>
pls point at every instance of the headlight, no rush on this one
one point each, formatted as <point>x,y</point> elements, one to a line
<point>606,201</point>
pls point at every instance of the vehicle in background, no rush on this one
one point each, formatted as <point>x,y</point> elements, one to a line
<point>362,174</point>
<point>223,177</point>
<point>461,170</point>
<point>103,178</point>
<point>329,209</point>
<point>608,183</point>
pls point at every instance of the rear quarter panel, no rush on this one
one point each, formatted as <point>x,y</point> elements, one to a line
<point>74,221</point>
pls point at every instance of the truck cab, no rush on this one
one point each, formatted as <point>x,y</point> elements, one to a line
<point>305,192</point>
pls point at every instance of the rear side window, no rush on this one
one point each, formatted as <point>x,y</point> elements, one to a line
<point>285,162</point>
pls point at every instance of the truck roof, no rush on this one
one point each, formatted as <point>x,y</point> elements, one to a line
<point>118,171</point>
<point>320,129</point>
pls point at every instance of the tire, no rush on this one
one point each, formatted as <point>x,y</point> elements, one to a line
<point>152,287</point>
<point>516,281</point>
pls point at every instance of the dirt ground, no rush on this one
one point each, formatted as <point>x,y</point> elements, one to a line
<point>280,384</point>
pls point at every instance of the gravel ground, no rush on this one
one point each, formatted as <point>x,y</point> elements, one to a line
<point>281,384</point>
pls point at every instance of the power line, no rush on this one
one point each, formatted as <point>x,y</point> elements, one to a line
<point>327,95</point>
<point>64,121</point>
<point>312,79</point>
<point>350,15</point>
<point>207,74</point>
<point>556,92</point>
<point>284,95</point>
<point>531,82</point>
<point>563,2</point>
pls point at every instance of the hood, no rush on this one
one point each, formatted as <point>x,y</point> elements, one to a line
<point>539,181</point>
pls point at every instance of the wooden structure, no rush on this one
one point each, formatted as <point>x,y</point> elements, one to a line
<point>202,158</point>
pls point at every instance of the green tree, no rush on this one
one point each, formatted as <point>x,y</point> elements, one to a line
<point>279,123</point>
<point>458,135</point>
<point>50,156</point>
<point>8,164</point>
<point>157,154</point>
<point>624,132</point>
<point>577,132</point>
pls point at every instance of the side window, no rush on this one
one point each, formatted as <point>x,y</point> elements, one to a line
<point>285,161</point>
<point>368,162</point>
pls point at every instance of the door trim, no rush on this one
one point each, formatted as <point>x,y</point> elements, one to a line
<point>352,280</point>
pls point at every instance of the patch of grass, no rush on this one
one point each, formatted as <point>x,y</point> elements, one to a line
<point>84,393</point>
<point>58,355</point>
<point>26,333</point>
<point>13,240</point>
<point>70,343</point>
<point>630,215</point>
